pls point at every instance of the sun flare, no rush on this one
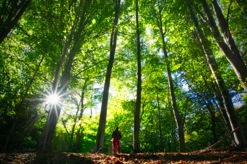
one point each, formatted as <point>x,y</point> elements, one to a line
<point>53,99</point>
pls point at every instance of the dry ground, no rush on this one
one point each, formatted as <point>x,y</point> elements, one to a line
<point>145,158</point>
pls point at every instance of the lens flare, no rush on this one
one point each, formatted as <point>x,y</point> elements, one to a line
<point>53,99</point>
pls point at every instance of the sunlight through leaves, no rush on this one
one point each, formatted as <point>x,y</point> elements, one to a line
<point>53,99</point>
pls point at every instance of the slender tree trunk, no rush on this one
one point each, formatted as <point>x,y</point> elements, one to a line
<point>231,51</point>
<point>82,99</point>
<point>212,112</point>
<point>103,113</point>
<point>62,59</point>
<point>176,112</point>
<point>49,129</point>
<point>74,123</point>
<point>232,117</point>
<point>213,121</point>
<point>223,24</point>
<point>14,10</point>
<point>18,107</point>
<point>78,38</point>
<point>172,90</point>
<point>222,111</point>
<point>79,111</point>
<point>54,113</point>
<point>79,132</point>
<point>221,108</point>
<point>161,147</point>
<point>139,87</point>
<point>243,6</point>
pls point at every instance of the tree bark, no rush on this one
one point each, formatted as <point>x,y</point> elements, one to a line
<point>231,114</point>
<point>243,6</point>
<point>54,113</point>
<point>79,111</point>
<point>103,113</point>
<point>213,121</point>
<point>19,106</point>
<point>139,87</point>
<point>223,24</point>
<point>221,108</point>
<point>49,129</point>
<point>161,147</point>
<point>230,51</point>
<point>172,90</point>
<point>10,14</point>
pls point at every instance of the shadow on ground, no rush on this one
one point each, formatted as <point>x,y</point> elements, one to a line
<point>147,158</point>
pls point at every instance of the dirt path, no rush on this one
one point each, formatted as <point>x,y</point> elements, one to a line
<point>145,158</point>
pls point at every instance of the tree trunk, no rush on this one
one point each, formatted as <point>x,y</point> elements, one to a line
<point>139,87</point>
<point>54,113</point>
<point>79,111</point>
<point>82,99</point>
<point>49,129</point>
<point>232,117</point>
<point>223,24</point>
<point>211,110</point>
<point>230,51</point>
<point>161,147</point>
<point>19,106</point>
<point>103,113</point>
<point>172,90</point>
<point>213,121</point>
<point>243,6</point>
<point>221,108</point>
<point>14,11</point>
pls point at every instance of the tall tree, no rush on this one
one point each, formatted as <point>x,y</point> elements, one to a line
<point>103,113</point>
<point>229,49</point>
<point>171,85</point>
<point>232,117</point>
<point>79,114</point>
<point>19,106</point>
<point>139,85</point>
<point>60,83</point>
<point>10,14</point>
<point>159,121</point>
<point>242,5</point>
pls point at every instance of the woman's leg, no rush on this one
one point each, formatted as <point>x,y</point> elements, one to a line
<point>114,146</point>
<point>118,146</point>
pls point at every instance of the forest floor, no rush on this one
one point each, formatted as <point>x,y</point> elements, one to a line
<point>205,157</point>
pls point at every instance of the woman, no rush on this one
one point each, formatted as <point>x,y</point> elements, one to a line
<point>116,136</point>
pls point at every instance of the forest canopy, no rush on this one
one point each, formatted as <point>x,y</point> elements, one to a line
<point>171,74</point>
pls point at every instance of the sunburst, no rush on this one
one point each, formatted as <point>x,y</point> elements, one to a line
<point>53,98</point>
